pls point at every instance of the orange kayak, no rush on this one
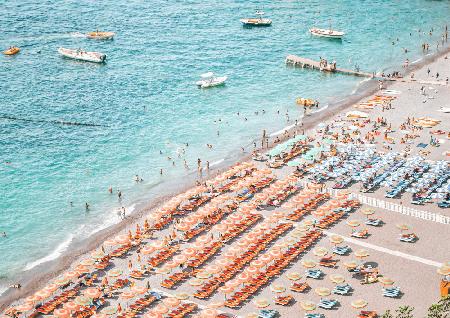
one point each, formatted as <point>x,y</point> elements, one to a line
<point>12,51</point>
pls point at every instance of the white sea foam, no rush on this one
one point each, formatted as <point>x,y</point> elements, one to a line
<point>3,289</point>
<point>215,163</point>
<point>320,109</point>
<point>418,60</point>
<point>113,220</point>
<point>279,132</point>
<point>53,255</point>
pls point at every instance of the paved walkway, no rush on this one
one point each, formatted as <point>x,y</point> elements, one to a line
<point>387,251</point>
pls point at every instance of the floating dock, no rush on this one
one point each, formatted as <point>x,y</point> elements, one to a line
<point>308,63</point>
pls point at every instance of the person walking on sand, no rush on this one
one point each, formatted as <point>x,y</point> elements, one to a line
<point>207,165</point>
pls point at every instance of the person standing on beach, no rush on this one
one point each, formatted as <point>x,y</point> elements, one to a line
<point>207,165</point>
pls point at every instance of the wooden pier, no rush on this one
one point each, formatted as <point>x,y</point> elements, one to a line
<point>331,68</point>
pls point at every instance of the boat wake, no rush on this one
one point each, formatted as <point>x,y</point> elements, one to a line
<point>77,35</point>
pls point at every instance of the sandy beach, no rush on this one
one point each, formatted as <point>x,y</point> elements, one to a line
<point>152,249</point>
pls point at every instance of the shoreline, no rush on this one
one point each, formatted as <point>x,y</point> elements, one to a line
<point>38,276</point>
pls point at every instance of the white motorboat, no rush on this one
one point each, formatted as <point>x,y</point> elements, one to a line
<point>258,21</point>
<point>82,55</point>
<point>327,33</point>
<point>209,80</point>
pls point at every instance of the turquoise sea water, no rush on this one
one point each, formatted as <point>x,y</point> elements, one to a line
<point>144,100</point>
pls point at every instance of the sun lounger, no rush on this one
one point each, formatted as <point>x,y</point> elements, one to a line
<point>313,273</point>
<point>268,313</point>
<point>342,290</point>
<point>367,314</point>
<point>341,250</point>
<point>327,304</point>
<point>299,287</point>
<point>393,292</point>
<point>409,238</point>
<point>374,222</point>
<point>314,316</point>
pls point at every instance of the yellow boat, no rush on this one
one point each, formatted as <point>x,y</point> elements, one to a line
<point>12,50</point>
<point>307,102</point>
<point>99,35</point>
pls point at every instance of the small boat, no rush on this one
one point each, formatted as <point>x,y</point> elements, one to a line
<point>12,50</point>
<point>209,80</point>
<point>327,33</point>
<point>82,55</point>
<point>99,35</point>
<point>258,21</point>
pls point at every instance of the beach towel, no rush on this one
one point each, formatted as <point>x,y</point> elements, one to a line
<point>422,145</point>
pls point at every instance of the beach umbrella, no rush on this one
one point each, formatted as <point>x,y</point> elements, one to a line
<point>251,270</point>
<point>92,292</point>
<point>209,313</point>
<point>51,288</point>
<point>161,309</point>
<point>139,290</point>
<point>361,253</point>
<point>293,276</point>
<point>71,306</point>
<point>243,277</point>
<point>235,249</point>
<point>226,289</point>
<point>204,238</point>
<point>368,211</point>
<point>233,283</point>
<point>308,222</point>
<point>385,280</point>
<point>24,307</point>
<point>203,275</point>
<point>189,252</point>
<point>322,291</point>
<point>179,259</point>
<point>257,263</point>
<point>158,245</point>
<point>444,270</point>
<point>42,294</point>
<point>127,294</point>
<point>359,303</point>
<point>98,254</point>
<point>171,264</point>
<point>261,303</point>
<point>61,312</point>
<point>276,288</point>
<point>71,274</point>
<point>403,227</point>
<point>182,296</point>
<point>87,262</point>
<point>213,269</point>
<point>336,239</point>
<point>153,314</point>
<point>308,305</point>
<point>109,310</point>
<point>275,253</point>
<point>81,269</point>
<point>82,300</point>
<point>309,263</point>
<point>265,258</point>
<point>182,227</point>
<point>147,249</point>
<point>195,282</point>
<point>222,262</point>
<point>99,315</point>
<point>171,302</point>
<point>115,272</point>
<point>122,239</point>
<point>353,223</point>
<point>337,278</point>
<point>320,251</point>
<point>351,264</point>
<point>32,299</point>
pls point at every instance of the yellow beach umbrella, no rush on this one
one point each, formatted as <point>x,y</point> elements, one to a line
<point>115,273</point>
<point>403,227</point>
<point>336,239</point>
<point>309,263</point>
<point>261,303</point>
<point>351,264</point>
<point>308,305</point>
<point>195,282</point>
<point>182,296</point>
<point>320,251</point>
<point>361,253</point>
<point>359,303</point>
<point>293,276</point>
<point>353,223</point>
<point>337,278</point>
<point>322,291</point>
<point>444,270</point>
<point>277,288</point>
<point>385,280</point>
